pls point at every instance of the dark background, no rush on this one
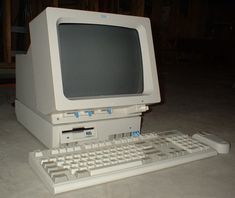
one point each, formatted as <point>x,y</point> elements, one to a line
<point>194,45</point>
<point>190,36</point>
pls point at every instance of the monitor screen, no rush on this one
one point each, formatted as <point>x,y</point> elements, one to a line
<point>99,60</point>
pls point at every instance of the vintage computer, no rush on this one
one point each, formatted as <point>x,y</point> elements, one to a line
<point>81,89</point>
<point>86,76</point>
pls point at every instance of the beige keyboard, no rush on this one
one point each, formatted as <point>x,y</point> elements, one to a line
<point>81,165</point>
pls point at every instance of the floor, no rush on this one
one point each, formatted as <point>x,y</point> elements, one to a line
<point>192,100</point>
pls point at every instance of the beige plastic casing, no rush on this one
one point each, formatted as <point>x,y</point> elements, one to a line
<point>40,102</point>
<point>46,61</point>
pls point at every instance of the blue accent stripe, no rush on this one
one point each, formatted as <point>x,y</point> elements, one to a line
<point>136,133</point>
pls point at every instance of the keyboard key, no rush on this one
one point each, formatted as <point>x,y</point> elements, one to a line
<point>38,154</point>
<point>59,178</point>
<point>48,164</point>
<point>77,148</point>
<point>82,173</point>
<point>59,175</point>
<point>54,151</point>
<point>62,150</point>
<point>115,167</point>
<point>70,149</point>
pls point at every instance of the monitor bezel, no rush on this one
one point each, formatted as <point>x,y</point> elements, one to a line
<point>142,25</point>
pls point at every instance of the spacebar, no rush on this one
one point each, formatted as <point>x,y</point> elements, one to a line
<point>115,167</point>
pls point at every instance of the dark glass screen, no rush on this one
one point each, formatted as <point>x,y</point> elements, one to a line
<point>99,60</point>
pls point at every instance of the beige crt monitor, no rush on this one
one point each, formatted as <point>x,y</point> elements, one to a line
<point>86,75</point>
